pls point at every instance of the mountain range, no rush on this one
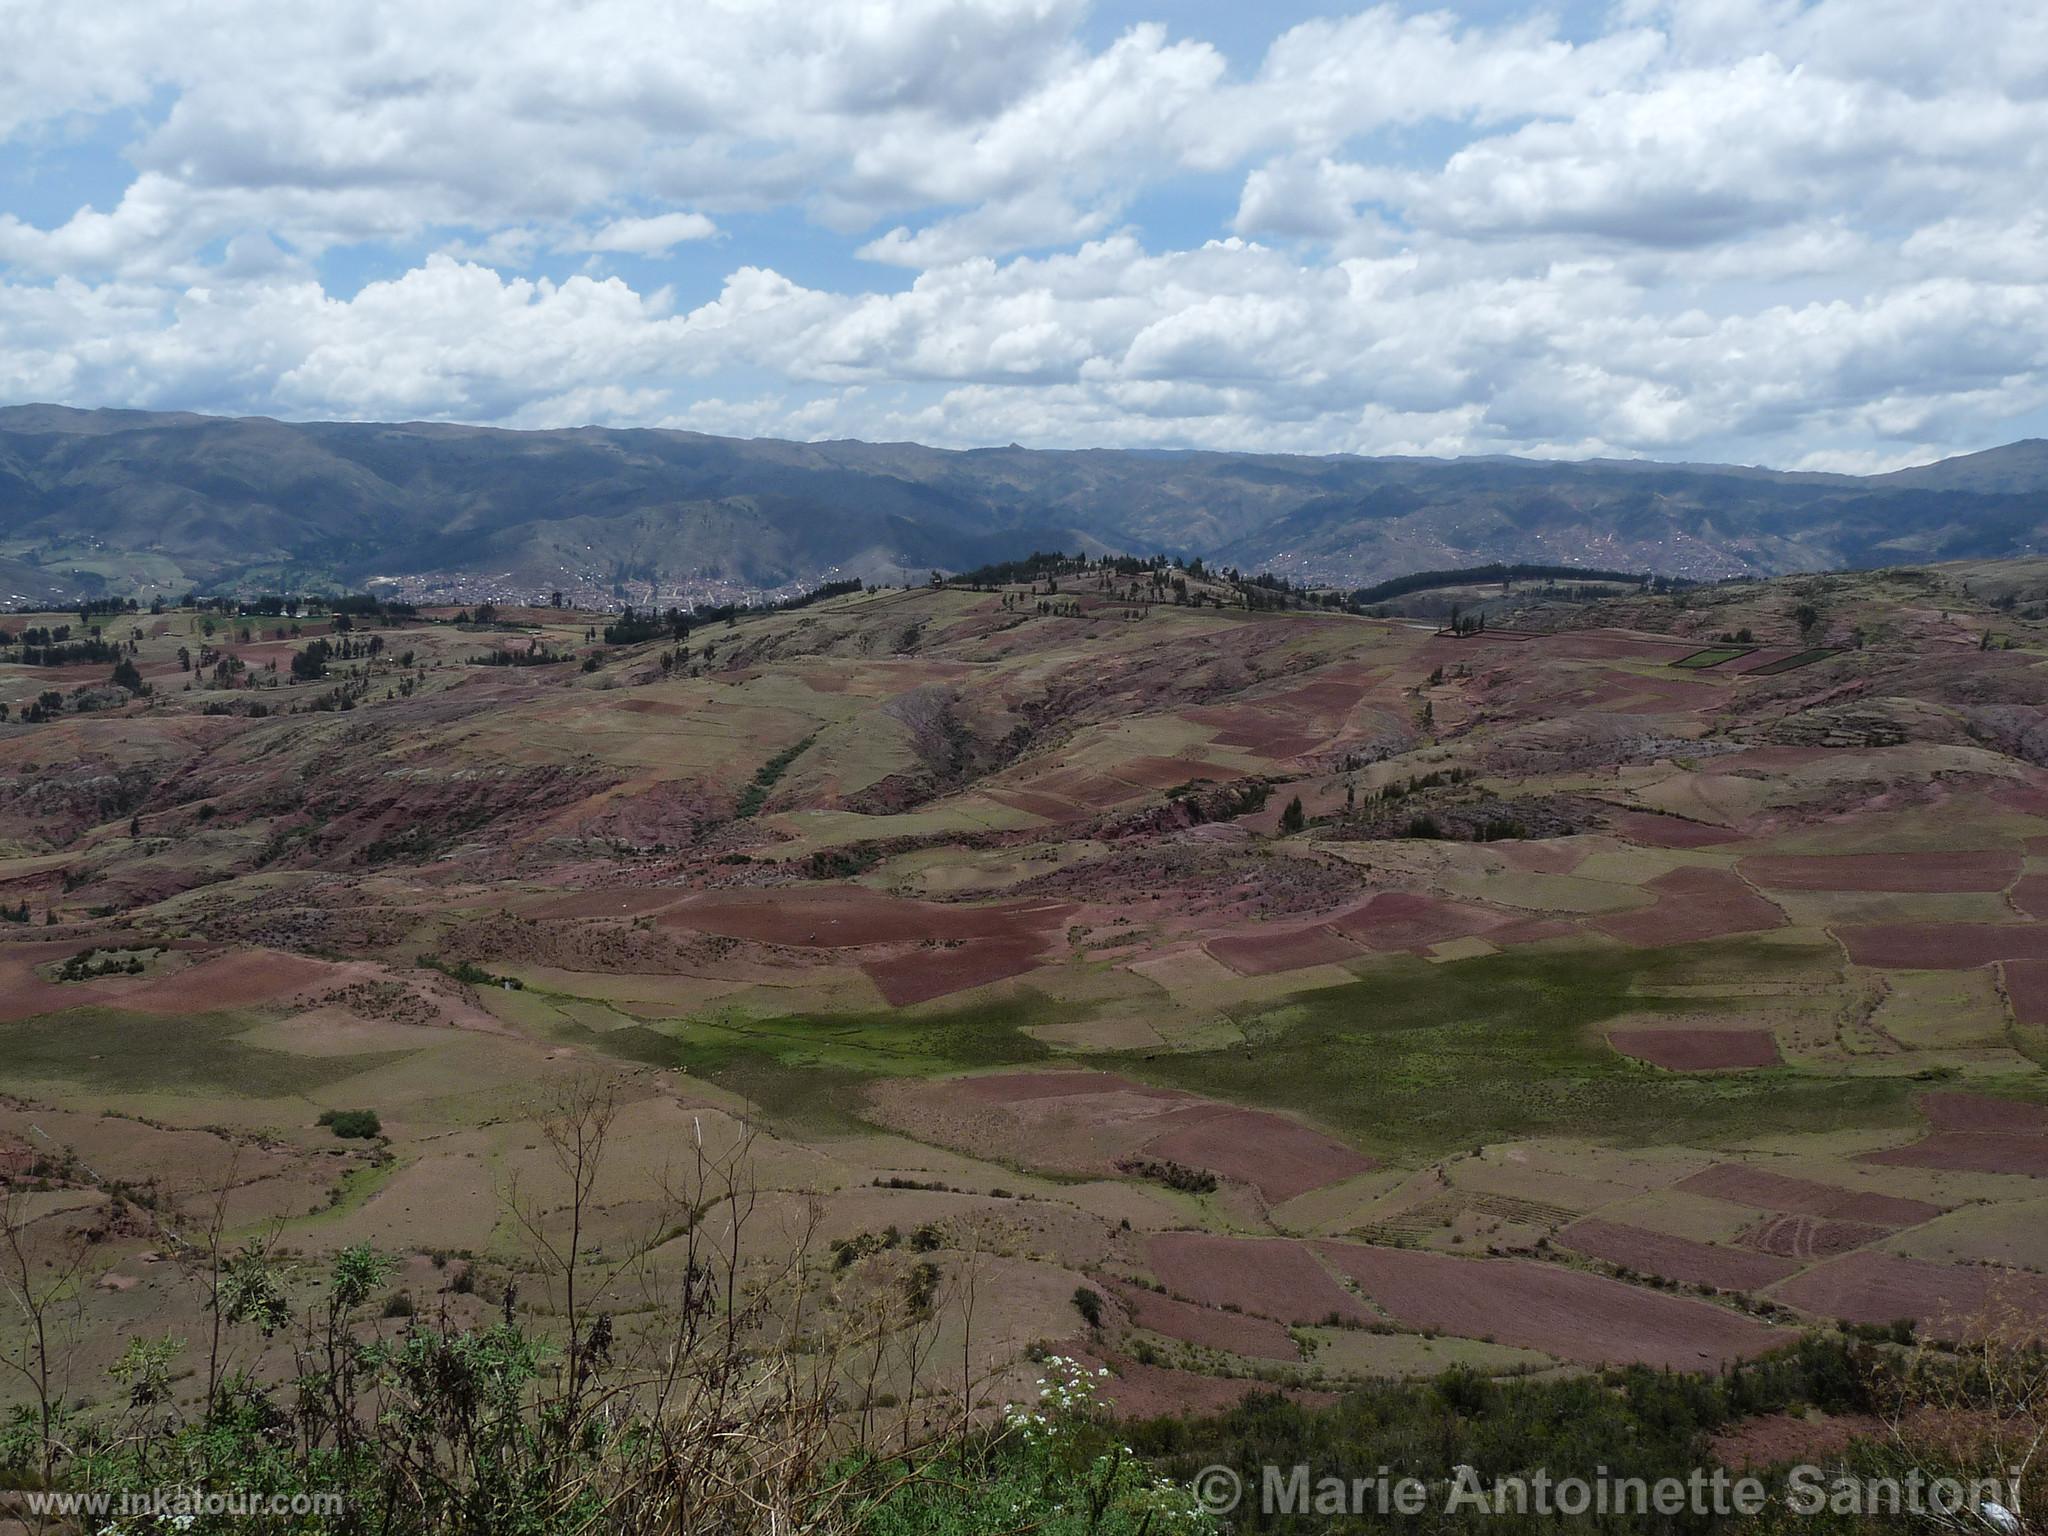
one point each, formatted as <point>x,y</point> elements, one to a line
<point>130,503</point>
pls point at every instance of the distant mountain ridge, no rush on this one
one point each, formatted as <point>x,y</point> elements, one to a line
<point>131,501</point>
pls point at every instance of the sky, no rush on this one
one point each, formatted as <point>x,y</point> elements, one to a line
<point>1753,231</point>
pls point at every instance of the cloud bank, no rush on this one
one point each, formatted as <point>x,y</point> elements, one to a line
<point>1802,234</point>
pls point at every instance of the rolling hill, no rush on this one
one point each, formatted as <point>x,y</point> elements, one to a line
<point>136,502</point>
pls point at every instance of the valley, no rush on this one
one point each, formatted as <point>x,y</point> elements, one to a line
<point>1334,998</point>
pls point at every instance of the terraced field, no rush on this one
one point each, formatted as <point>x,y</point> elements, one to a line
<point>1331,996</point>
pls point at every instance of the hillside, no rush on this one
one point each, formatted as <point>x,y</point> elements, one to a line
<point>124,502</point>
<point>1218,994</point>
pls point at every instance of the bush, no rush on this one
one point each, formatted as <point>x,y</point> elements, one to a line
<point>1089,1304</point>
<point>353,1124</point>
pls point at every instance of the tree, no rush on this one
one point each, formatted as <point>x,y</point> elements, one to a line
<point>1806,616</point>
<point>126,676</point>
<point>1293,819</point>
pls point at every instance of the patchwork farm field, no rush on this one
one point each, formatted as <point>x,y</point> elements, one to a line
<point>1325,997</point>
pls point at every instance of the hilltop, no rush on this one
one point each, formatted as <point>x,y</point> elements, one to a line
<point>95,503</point>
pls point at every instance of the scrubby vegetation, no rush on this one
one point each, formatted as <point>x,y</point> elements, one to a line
<point>353,1124</point>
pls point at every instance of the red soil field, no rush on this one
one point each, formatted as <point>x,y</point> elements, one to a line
<point>1661,696</point>
<point>1809,1237</point>
<point>924,974</point>
<point>1022,1087</point>
<point>1276,1156</point>
<point>2028,799</point>
<point>1171,772</point>
<point>1973,1151</point>
<point>1529,930</point>
<point>2030,895</point>
<point>1791,1439</point>
<point>626,901</point>
<point>1257,1337</point>
<point>1675,1258</point>
<point>1697,1050</point>
<point>1406,920</point>
<point>1616,645</point>
<point>1272,1276</point>
<point>1034,804</point>
<point>1980,869</point>
<point>1981,1112</point>
<point>2026,985</point>
<point>1261,954</point>
<point>1882,1288</point>
<point>1776,1192</point>
<point>1693,904</point>
<point>1150,1391</point>
<point>1943,946</point>
<point>1563,1312</point>
<point>1650,830</point>
<point>841,917</point>
<point>235,979</point>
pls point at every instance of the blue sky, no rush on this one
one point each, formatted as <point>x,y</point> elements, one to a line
<point>1750,230</point>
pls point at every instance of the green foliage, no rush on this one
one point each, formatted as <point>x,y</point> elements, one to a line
<point>1626,1423</point>
<point>755,795</point>
<point>353,1124</point>
<point>1419,1058</point>
<point>1292,818</point>
<point>1088,1302</point>
<point>1054,1470</point>
<point>110,1049</point>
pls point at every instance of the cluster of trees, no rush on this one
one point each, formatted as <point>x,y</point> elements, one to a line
<point>1507,575</point>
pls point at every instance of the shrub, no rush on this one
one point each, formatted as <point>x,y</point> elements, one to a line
<point>1088,1303</point>
<point>353,1124</point>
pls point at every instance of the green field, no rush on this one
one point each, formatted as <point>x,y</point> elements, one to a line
<point>107,1049</point>
<point>1416,1060</point>
<point>1713,657</point>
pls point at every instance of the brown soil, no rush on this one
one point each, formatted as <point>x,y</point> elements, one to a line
<point>1271,1153</point>
<point>924,974</point>
<point>1983,869</point>
<point>1258,1338</point>
<point>1943,946</point>
<point>1981,1112</point>
<point>1974,1151</point>
<point>1809,1237</point>
<point>627,901</point>
<point>1023,1087</point>
<point>842,917</point>
<point>1791,1439</point>
<point>1693,904</point>
<point>1776,1192</point>
<point>1269,1276</point>
<point>1957,1300</point>
<point>1090,1122</point>
<point>1172,772</point>
<point>1697,1050</point>
<point>1262,954</point>
<point>2030,895</point>
<point>1654,831</point>
<point>1563,1312</point>
<point>2026,984</point>
<point>1674,1258</point>
<point>1149,1391</point>
<point>1406,920</point>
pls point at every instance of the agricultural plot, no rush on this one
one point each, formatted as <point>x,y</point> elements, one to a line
<point>1714,656</point>
<point>996,943</point>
